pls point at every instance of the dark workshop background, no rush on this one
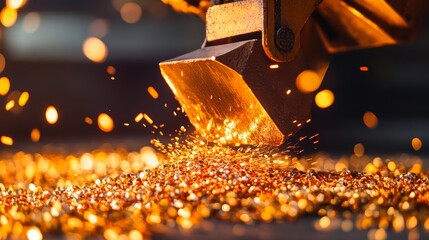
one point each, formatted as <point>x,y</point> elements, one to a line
<point>50,65</point>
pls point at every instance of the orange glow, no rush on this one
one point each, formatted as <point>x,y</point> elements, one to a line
<point>324,98</point>
<point>8,16</point>
<point>15,4</point>
<point>308,81</point>
<point>153,93</point>
<point>10,105</point>
<point>8,141</point>
<point>2,62</point>
<point>359,150</point>
<point>131,12</point>
<point>4,85</point>
<point>51,115</point>
<point>34,234</point>
<point>416,143</point>
<point>105,122</point>
<point>111,70</point>
<point>147,118</point>
<point>35,135</point>
<point>139,117</point>
<point>98,28</point>
<point>363,69</point>
<point>31,22</point>
<point>370,120</point>
<point>95,50</point>
<point>88,121</point>
<point>23,99</point>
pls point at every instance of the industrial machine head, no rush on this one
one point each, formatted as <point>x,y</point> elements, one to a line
<point>239,88</point>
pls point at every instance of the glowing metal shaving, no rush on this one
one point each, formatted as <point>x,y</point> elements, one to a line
<point>105,122</point>
<point>6,140</point>
<point>153,93</point>
<point>9,105</point>
<point>147,118</point>
<point>23,99</point>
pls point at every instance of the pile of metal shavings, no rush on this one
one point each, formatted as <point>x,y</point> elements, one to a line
<point>117,194</point>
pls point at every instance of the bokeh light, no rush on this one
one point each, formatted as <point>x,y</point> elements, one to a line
<point>416,143</point>
<point>6,140</point>
<point>131,12</point>
<point>105,122</point>
<point>51,115</point>
<point>370,120</point>
<point>4,85</point>
<point>35,135</point>
<point>324,98</point>
<point>8,16</point>
<point>95,50</point>
<point>308,81</point>
<point>31,22</point>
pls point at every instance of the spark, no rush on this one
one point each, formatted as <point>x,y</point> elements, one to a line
<point>51,115</point>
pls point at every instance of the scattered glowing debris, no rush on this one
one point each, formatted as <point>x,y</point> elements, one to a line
<point>98,28</point>
<point>138,118</point>
<point>370,120</point>
<point>131,12</point>
<point>9,105</point>
<point>15,4</point>
<point>416,143</point>
<point>324,98</point>
<point>147,118</point>
<point>8,16</point>
<point>23,99</point>
<point>153,93</point>
<point>4,85</point>
<point>105,122</point>
<point>359,150</point>
<point>95,50</point>
<point>6,140</point>
<point>35,135</point>
<point>51,115</point>
<point>31,22</point>
<point>34,234</point>
<point>274,66</point>
<point>88,120</point>
<point>308,81</point>
<point>288,92</point>
<point>363,69</point>
<point>2,62</point>
<point>111,70</point>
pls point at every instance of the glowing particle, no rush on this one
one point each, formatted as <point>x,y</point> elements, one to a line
<point>363,68</point>
<point>288,91</point>
<point>2,63</point>
<point>147,118</point>
<point>32,187</point>
<point>153,93</point>
<point>111,70</point>
<point>86,162</point>
<point>15,4</point>
<point>324,98</point>
<point>139,117</point>
<point>88,120</point>
<point>34,234</point>
<point>93,219</point>
<point>416,143</point>
<point>126,124</point>
<point>9,105</point>
<point>135,235</point>
<point>131,12</point>
<point>308,81</point>
<point>51,115</point>
<point>95,50</point>
<point>23,99</point>
<point>98,28</point>
<point>324,222</point>
<point>6,140</point>
<point>359,150</point>
<point>274,66</point>
<point>8,16</point>
<point>31,22</point>
<point>4,85</point>
<point>105,122</point>
<point>370,120</point>
<point>35,135</point>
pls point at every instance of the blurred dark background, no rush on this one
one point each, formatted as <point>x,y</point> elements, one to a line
<point>43,52</point>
